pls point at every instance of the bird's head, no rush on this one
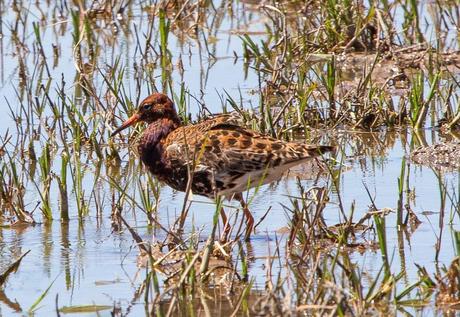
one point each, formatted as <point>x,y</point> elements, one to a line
<point>155,107</point>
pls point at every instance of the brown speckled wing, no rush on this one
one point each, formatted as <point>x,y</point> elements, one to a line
<point>230,150</point>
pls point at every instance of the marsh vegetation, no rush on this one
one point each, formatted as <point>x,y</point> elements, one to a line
<point>84,228</point>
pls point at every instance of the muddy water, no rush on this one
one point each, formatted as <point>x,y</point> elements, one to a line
<point>86,262</point>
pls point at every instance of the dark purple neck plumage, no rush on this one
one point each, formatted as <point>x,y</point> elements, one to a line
<point>150,146</point>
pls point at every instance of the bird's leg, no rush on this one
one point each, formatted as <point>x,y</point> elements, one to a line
<point>226,230</point>
<point>247,214</point>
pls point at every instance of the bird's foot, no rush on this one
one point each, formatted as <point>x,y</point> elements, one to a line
<point>249,225</point>
<point>224,236</point>
<point>226,230</point>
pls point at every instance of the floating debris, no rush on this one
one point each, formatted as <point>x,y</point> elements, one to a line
<point>441,156</point>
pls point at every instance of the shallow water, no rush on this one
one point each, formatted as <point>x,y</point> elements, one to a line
<point>89,263</point>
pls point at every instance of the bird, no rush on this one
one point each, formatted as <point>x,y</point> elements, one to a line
<point>221,157</point>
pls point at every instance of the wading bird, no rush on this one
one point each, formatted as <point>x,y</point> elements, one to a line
<point>221,157</point>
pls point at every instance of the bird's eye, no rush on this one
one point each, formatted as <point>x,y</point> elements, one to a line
<point>146,107</point>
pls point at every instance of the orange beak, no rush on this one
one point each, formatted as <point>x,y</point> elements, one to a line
<point>132,120</point>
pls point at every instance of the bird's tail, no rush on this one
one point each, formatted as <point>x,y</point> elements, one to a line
<point>318,150</point>
<point>325,148</point>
